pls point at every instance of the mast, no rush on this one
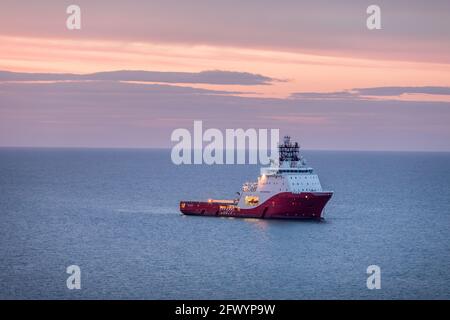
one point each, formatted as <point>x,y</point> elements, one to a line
<point>288,152</point>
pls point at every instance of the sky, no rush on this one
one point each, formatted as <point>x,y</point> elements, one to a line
<point>137,70</point>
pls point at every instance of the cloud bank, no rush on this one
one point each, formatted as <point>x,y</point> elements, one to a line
<point>339,95</point>
<point>366,93</point>
<point>396,91</point>
<point>204,77</point>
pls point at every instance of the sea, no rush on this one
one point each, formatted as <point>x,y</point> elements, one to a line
<point>114,213</point>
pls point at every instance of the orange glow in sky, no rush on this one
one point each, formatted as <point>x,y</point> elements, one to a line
<point>295,71</point>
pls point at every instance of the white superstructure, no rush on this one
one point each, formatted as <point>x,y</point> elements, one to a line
<point>289,174</point>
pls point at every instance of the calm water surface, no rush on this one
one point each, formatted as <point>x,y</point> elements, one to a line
<point>115,214</point>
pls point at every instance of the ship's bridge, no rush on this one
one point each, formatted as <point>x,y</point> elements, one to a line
<point>270,171</point>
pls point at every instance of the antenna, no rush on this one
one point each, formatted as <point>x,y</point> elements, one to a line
<point>288,151</point>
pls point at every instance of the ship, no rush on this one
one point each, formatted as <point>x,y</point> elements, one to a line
<point>286,189</point>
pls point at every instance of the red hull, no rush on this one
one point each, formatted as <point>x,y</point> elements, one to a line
<point>285,205</point>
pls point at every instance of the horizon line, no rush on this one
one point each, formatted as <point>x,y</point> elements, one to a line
<point>169,148</point>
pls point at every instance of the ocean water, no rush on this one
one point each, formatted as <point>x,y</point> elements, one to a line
<point>115,214</point>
